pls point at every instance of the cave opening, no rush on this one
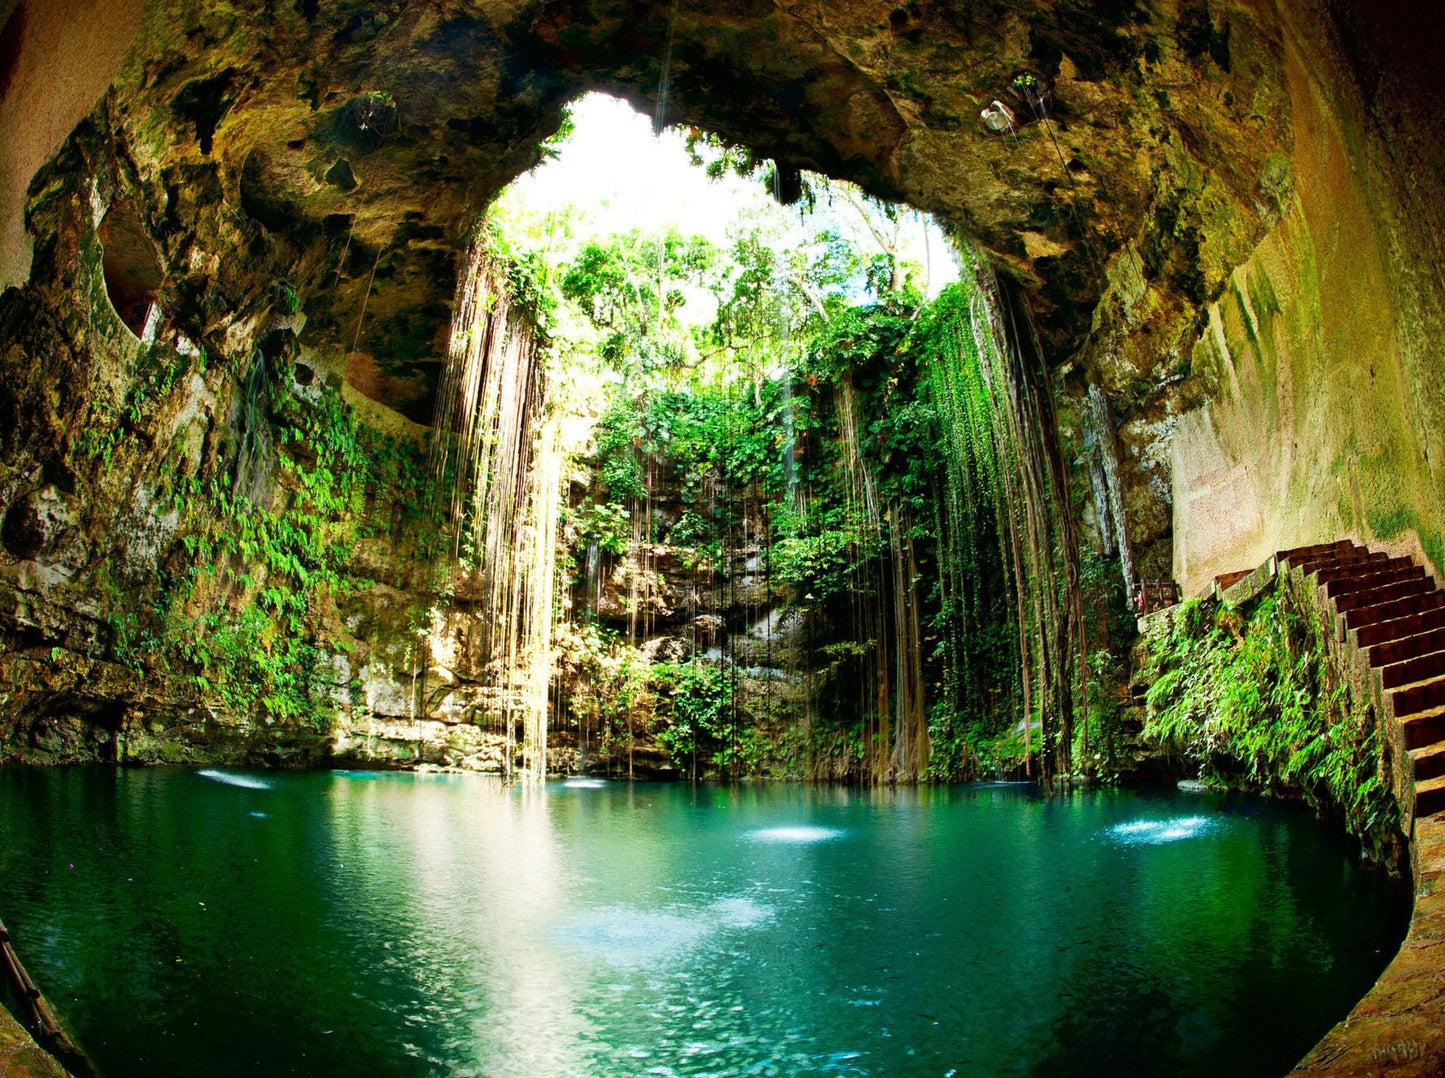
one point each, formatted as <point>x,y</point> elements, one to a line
<point>773,548</point>
<point>810,502</point>
<point>131,270</point>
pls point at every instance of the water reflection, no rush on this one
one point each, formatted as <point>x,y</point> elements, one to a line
<point>467,887</point>
<point>421,924</point>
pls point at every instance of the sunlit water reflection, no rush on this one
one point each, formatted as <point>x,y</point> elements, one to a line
<point>230,778</point>
<point>221,923</point>
<point>798,834</point>
<point>1171,829</point>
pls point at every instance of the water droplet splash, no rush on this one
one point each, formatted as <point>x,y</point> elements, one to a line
<point>630,937</point>
<point>740,913</point>
<point>627,936</point>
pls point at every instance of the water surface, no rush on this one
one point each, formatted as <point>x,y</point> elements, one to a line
<point>227,923</point>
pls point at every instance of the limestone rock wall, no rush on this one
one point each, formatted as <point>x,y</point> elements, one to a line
<point>121,443</point>
<point>57,57</point>
<point>1322,357</point>
<point>657,603</point>
<point>1228,218</point>
<point>347,148</point>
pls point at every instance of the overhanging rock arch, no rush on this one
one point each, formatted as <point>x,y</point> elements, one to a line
<point>359,144</point>
<point>1226,223</point>
<point>356,144</point>
<point>1230,223</point>
<point>1187,228</point>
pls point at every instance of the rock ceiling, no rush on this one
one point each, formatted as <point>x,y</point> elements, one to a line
<point>346,148</point>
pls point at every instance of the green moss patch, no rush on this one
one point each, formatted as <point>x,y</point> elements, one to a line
<point>1251,699</point>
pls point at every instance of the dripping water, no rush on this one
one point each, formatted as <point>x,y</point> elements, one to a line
<point>250,479</point>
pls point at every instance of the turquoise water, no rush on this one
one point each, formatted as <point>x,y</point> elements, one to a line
<point>219,923</point>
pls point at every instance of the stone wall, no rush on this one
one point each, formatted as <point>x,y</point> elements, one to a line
<point>56,59</point>
<point>1321,357</point>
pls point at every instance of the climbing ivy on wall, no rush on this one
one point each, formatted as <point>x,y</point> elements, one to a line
<point>1249,697</point>
<point>247,618</point>
<point>277,564</point>
<point>888,487</point>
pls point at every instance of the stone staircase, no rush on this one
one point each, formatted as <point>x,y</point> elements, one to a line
<point>1390,617</point>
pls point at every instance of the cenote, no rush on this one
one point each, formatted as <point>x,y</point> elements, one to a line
<point>526,526</point>
<point>330,923</point>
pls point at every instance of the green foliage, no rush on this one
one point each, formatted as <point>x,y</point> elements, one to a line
<point>158,369</point>
<point>772,302</point>
<point>692,530</point>
<point>609,525</point>
<point>932,462</point>
<point>527,281</point>
<point>893,443</point>
<point>618,437</point>
<point>551,147</point>
<point>701,705</point>
<point>288,560</point>
<point>708,442</point>
<point>822,566</point>
<point>718,156</point>
<point>631,287</point>
<point>1254,699</point>
<point>288,301</point>
<point>859,445</point>
<point>240,622</point>
<point>718,432</point>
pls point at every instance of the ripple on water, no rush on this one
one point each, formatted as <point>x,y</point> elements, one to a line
<point>1153,832</point>
<point>796,834</point>
<point>585,784</point>
<point>234,780</point>
<point>740,913</point>
<point>625,936</point>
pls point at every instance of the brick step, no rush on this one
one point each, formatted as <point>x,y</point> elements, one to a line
<point>1367,561</point>
<point>1408,647</point>
<point>1388,630</point>
<point>1343,581</point>
<point>1334,554</point>
<point>1225,581</point>
<point>1317,548</point>
<point>1396,608</point>
<point>1418,697</point>
<point>1332,551</point>
<point>1424,729</point>
<point>1429,796</point>
<point>1420,668</point>
<point>1384,593</point>
<point>1429,761</point>
<point>1362,559</point>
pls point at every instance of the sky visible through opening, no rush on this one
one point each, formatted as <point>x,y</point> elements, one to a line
<point>613,175</point>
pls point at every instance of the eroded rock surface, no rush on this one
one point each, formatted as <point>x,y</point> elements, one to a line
<point>299,179</point>
<point>20,1056</point>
